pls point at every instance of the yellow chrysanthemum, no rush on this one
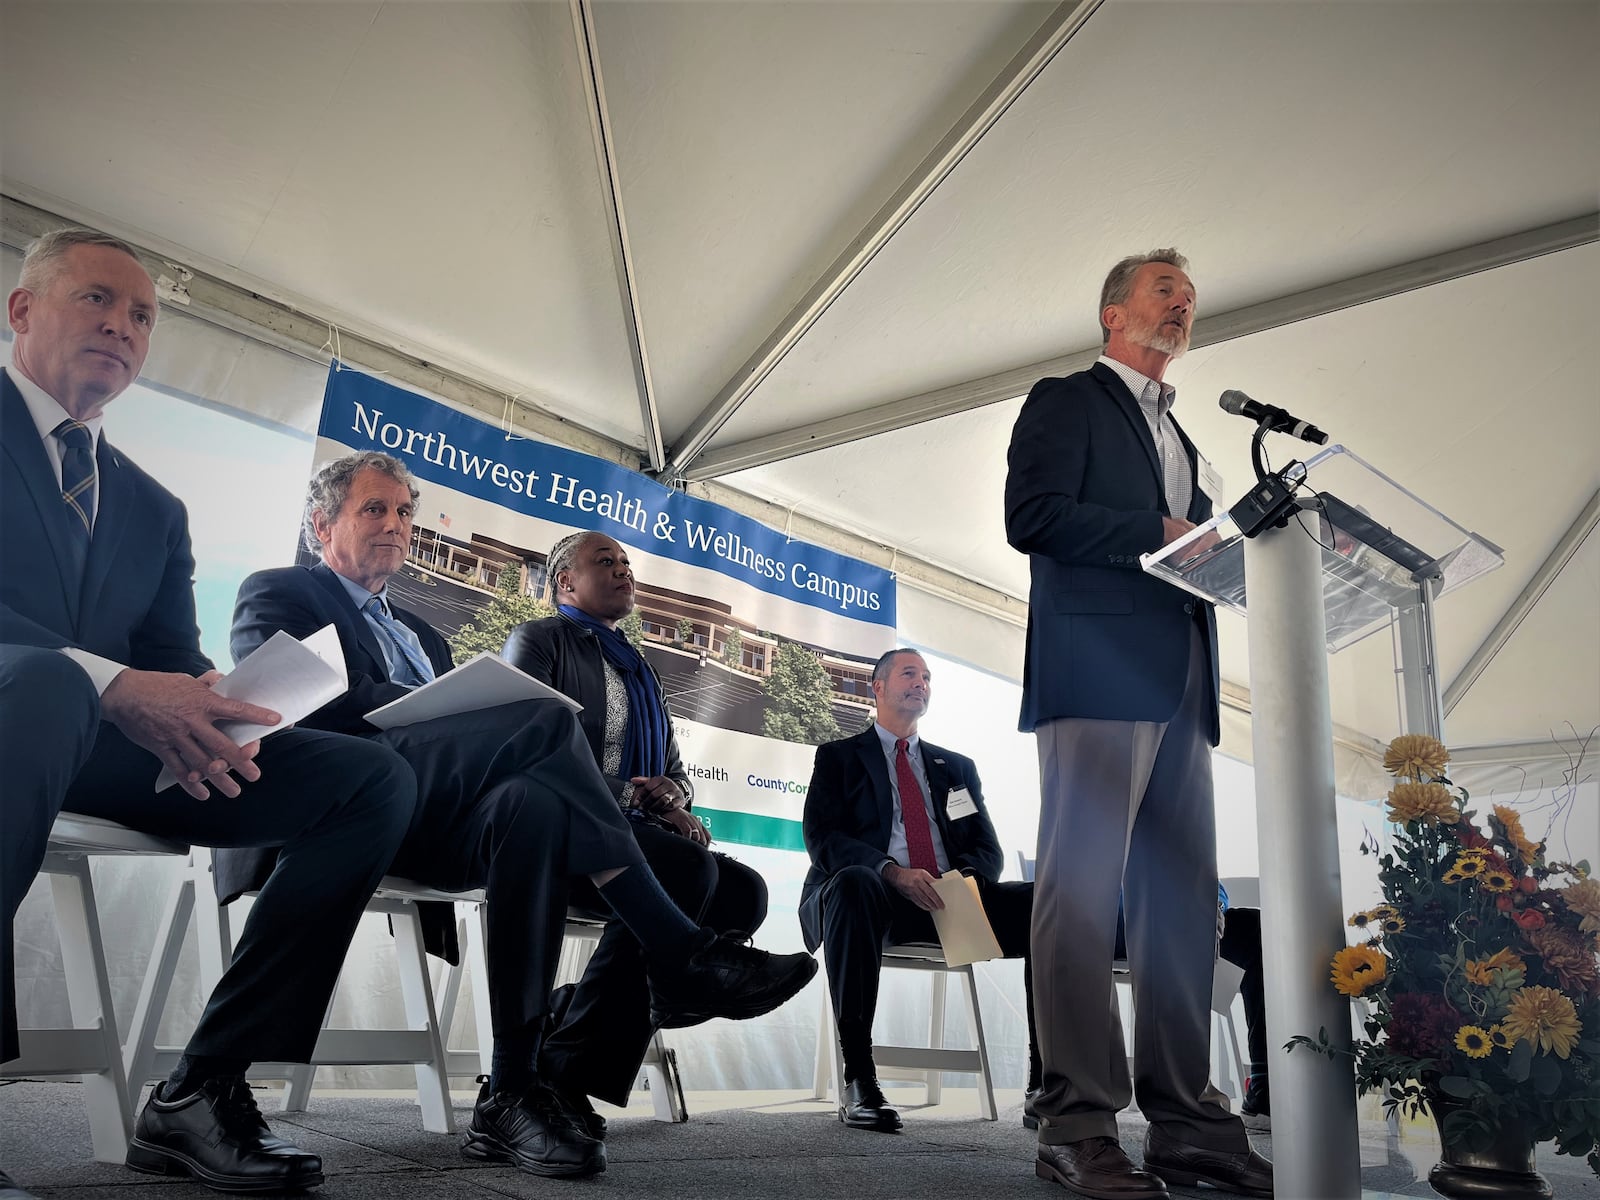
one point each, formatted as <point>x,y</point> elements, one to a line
<point>1473,1041</point>
<point>1544,1017</point>
<point>1427,802</point>
<point>1357,968</point>
<point>1469,867</point>
<point>1501,1039</point>
<point>1583,898</point>
<point>1413,755</point>
<point>1514,832</point>
<point>1494,879</point>
<point>1392,925</point>
<point>1478,969</point>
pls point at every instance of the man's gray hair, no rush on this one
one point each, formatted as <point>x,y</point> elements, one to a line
<point>42,262</point>
<point>1119,282</point>
<point>564,554</point>
<point>330,487</point>
<point>885,663</point>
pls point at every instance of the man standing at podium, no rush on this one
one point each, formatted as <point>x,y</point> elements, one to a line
<point>1120,686</point>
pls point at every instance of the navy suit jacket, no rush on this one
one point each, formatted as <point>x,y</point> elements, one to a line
<point>300,601</point>
<point>135,601</point>
<point>849,815</point>
<point>1083,500</point>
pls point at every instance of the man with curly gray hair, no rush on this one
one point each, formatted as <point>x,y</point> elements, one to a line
<point>510,800</point>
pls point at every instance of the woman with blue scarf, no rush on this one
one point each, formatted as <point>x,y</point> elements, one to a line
<point>605,1030</point>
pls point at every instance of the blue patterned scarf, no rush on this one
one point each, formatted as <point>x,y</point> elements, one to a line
<point>644,740</point>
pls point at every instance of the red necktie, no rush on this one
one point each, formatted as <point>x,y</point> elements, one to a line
<point>919,838</point>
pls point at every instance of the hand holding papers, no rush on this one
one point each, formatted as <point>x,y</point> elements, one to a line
<point>486,681</point>
<point>293,678</point>
<point>963,926</point>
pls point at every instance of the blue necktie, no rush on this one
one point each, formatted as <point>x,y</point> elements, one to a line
<point>421,669</point>
<point>77,485</point>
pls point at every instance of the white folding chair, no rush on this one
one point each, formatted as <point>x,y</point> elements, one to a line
<point>923,1064</point>
<point>90,1047</point>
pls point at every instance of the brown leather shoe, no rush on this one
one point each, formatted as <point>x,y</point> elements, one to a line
<point>1097,1168</point>
<point>1184,1165</point>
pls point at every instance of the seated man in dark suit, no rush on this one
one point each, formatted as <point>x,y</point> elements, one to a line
<point>510,800</point>
<point>102,683</point>
<point>874,859</point>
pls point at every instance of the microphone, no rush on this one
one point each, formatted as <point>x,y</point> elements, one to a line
<point>1275,419</point>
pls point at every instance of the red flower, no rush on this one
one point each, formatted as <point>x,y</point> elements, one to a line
<point>1470,837</point>
<point>1529,919</point>
<point>1503,903</point>
<point>1422,1026</point>
<point>1528,884</point>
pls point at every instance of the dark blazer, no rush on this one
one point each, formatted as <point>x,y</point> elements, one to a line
<point>1083,500</point>
<point>567,656</point>
<point>300,601</point>
<point>135,601</point>
<point>850,809</point>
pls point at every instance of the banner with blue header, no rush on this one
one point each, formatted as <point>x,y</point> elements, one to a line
<point>764,644</point>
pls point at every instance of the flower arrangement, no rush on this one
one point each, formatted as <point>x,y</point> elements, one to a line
<point>1482,969</point>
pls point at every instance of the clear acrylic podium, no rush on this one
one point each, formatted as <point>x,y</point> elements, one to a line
<point>1357,554</point>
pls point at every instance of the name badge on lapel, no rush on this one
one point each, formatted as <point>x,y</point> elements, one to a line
<point>960,804</point>
<point>1210,482</point>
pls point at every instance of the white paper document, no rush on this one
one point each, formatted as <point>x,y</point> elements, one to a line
<point>964,929</point>
<point>486,681</point>
<point>293,678</point>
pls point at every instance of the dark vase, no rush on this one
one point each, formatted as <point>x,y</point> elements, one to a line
<point>1503,1170</point>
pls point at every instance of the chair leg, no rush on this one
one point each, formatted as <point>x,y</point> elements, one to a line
<point>476,950</point>
<point>666,1084</point>
<point>416,989</point>
<point>298,1077</point>
<point>83,957</point>
<point>936,1008</point>
<point>827,1039</point>
<point>986,1106</point>
<point>139,1053</point>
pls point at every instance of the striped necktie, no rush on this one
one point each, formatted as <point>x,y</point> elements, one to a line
<point>77,484</point>
<point>421,669</point>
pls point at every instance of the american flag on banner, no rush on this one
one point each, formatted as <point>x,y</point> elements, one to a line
<point>444,520</point>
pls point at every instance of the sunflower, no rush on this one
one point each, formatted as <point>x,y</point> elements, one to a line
<point>1469,866</point>
<point>1473,1041</point>
<point>1514,833</point>
<point>1427,802</point>
<point>1583,898</point>
<point>1357,968</point>
<point>1544,1017</point>
<point>1413,755</point>
<point>1452,876</point>
<point>1501,1039</point>
<point>1382,912</point>
<point>1361,920</point>
<point>1393,925</point>
<point>1494,879</point>
<point>1479,970</point>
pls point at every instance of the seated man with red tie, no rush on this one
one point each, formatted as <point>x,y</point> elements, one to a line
<point>874,857</point>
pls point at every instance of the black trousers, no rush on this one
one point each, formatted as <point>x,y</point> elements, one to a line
<point>606,1029</point>
<point>1241,945</point>
<point>337,806</point>
<point>862,913</point>
<point>511,801</point>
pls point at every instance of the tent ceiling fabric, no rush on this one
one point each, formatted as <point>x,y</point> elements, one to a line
<point>423,173</point>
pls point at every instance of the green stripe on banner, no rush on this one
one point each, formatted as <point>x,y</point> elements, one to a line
<point>752,829</point>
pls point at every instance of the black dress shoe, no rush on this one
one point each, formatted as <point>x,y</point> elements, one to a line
<point>1179,1163</point>
<point>865,1108</point>
<point>218,1136</point>
<point>725,978</point>
<point>534,1130</point>
<point>1097,1168</point>
<point>1030,1114</point>
<point>10,1191</point>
